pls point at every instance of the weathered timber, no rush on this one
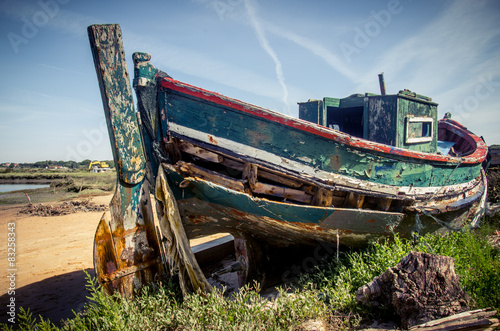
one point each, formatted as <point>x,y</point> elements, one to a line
<point>354,200</point>
<point>282,192</point>
<point>213,251</point>
<point>126,248</point>
<point>200,152</point>
<point>385,204</point>
<point>280,178</point>
<point>420,288</point>
<point>111,68</point>
<point>178,252</point>
<point>481,319</point>
<point>195,171</point>
<point>250,174</point>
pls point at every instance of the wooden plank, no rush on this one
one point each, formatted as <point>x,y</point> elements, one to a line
<point>202,153</point>
<point>283,192</point>
<point>127,252</point>
<point>384,204</point>
<point>470,320</point>
<point>190,169</point>
<point>213,251</point>
<point>353,200</point>
<point>280,178</point>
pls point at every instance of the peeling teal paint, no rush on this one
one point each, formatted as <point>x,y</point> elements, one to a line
<point>111,67</point>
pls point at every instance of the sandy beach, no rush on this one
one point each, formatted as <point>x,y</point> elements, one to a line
<point>51,254</point>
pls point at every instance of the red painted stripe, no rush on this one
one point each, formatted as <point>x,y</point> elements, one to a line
<point>475,158</point>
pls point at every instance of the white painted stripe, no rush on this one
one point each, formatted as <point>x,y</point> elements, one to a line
<point>307,170</point>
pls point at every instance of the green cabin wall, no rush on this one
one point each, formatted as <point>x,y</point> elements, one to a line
<point>409,107</point>
<point>313,111</point>
<point>378,118</point>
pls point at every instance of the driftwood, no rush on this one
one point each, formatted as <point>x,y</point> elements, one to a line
<point>470,320</point>
<point>64,208</point>
<point>421,288</point>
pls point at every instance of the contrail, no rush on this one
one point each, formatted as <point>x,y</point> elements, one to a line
<point>269,50</point>
<point>316,48</point>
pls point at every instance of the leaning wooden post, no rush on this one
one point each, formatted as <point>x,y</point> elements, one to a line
<point>126,248</point>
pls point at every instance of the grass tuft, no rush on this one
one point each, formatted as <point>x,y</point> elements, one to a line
<point>327,295</point>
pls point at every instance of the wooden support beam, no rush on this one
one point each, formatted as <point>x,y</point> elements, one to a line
<point>481,319</point>
<point>360,199</point>
<point>202,153</point>
<point>250,174</point>
<point>323,197</point>
<point>112,74</point>
<point>283,192</point>
<point>280,178</point>
<point>353,200</point>
<point>191,170</point>
<point>384,204</point>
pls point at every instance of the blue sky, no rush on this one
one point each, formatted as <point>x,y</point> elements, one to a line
<point>269,53</point>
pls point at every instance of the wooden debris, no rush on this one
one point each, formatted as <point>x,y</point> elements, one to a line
<point>421,288</point>
<point>495,155</point>
<point>480,319</point>
<point>65,208</point>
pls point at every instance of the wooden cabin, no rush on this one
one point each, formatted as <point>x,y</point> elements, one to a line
<point>405,120</point>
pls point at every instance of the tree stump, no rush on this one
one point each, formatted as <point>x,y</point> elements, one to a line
<point>420,288</point>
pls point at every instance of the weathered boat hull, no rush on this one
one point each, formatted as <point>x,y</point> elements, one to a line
<point>222,165</point>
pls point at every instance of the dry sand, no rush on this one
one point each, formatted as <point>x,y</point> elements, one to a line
<point>51,254</point>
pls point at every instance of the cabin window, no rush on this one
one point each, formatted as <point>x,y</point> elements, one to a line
<point>419,130</point>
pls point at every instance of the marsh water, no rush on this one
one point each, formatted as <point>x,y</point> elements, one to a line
<point>17,187</point>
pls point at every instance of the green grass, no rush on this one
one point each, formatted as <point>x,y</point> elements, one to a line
<point>327,294</point>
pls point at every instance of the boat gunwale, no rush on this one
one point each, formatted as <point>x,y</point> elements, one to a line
<point>477,157</point>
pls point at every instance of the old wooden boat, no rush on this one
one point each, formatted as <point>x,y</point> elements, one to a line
<point>347,171</point>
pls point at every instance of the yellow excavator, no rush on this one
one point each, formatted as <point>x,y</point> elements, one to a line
<point>98,166</point>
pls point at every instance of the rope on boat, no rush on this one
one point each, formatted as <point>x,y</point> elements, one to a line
<point>179,255</point>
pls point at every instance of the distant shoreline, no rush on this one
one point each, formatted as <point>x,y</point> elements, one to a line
<point>26,180</point>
